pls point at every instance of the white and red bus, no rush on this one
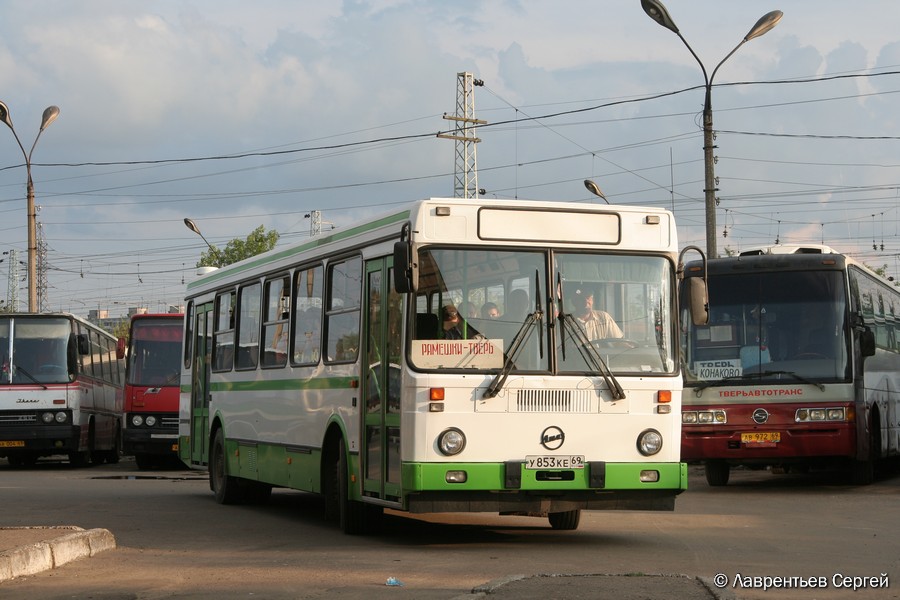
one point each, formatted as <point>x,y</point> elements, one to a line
<point>798,367</point>
<point>152,374</point>
<point>60,390</point>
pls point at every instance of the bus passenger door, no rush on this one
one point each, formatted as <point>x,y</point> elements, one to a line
<point>200,371</point>
<point>381,385</point>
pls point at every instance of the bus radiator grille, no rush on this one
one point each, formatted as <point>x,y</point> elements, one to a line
<point>561,401</point>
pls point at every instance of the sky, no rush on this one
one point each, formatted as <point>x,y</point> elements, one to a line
<point>239,114</point>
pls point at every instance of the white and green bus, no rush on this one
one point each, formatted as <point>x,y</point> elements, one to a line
<point>358,364</point>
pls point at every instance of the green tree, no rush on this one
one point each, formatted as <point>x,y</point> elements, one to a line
<point>257,242</point>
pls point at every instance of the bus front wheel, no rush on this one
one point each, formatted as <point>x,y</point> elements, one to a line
<point>717,472</point>
<point>353,516</point>
<point>565,521</point>
<point>225,487</point>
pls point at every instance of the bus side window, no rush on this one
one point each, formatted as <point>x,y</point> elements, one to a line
<point>345,296</point>
<point>307,315</point>
<point>223,344</point>
<point>248,327</point>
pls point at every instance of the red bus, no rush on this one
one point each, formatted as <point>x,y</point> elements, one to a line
<point>798,367</point>
<point>152,373</point>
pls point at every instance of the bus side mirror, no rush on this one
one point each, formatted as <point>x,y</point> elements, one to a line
<point>699,302</point>
<point>120,348</point>
<point>406,269</point>
<point>867,342</point>
<point>83,345</point>
<point>698,295</point>
<point>72,355</point>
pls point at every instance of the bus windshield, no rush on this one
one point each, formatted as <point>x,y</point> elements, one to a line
<point>155,353</point>
<point>770,327</point>
<point>34,350</point>
<point>491,310</point>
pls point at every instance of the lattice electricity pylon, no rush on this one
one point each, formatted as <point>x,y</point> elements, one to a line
<point>12,290</point>
<point>42,299</point>
<point>465,179</point>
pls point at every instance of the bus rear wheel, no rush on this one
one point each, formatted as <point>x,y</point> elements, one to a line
<point>565,521</point>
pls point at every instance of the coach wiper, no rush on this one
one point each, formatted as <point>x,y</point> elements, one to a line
<point>518,342</point>
<point>19,369</point>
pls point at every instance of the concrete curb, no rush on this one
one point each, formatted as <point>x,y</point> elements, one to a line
<point>42,556</point>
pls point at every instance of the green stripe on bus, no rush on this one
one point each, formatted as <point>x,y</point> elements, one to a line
<point>268,385</point>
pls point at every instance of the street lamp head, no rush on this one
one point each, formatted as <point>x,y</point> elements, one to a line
<point>594,189</point>
<point>4,115</point>
<point>192,226</point>
<point>657,11</point>
<point>765,23</point>
<point>50,114</point>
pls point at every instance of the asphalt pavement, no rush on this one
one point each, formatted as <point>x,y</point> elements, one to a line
<point>26,551</point>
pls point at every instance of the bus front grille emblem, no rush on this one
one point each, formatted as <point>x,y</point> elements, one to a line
<point>552,438</point>
<point>760,416</point>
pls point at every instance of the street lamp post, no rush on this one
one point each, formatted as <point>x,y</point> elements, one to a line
<point>657,11</point>
<point>50,114</point>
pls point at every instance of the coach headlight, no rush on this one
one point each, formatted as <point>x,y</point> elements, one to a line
<point>137,420</point>
<point>451,441</point>
<point>649,442</point>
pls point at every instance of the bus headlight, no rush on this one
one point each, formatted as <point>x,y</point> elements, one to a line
<point>150,421</point>
<point>649,442</point>
<point>451,441</point>
<point>137,420</point>
<point>47,417</point>
<point>62,417</point>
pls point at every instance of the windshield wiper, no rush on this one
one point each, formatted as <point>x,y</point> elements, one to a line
<point>518,342</point>
<point>29,376</point>
<point>516,347</point>
<point>589,353</point>
<point>799,378</point>
<point>744,376</point>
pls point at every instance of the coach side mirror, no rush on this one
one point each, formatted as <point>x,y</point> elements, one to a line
<point>699,301</point>
<point>83,345</point>
<point>867,342</point>
<point>120,348</point>
<point>697,293</point>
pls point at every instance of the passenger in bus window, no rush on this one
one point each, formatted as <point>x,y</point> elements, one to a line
<point>490,311</point>
<point>597,324</point>
<point>451,322</point>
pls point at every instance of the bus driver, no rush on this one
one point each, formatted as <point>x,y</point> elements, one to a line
<point>597,324</point>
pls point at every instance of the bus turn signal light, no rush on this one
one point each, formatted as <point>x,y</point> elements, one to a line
<point>436,394</point>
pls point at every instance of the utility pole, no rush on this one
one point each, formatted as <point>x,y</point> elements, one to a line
<point>466,171</point>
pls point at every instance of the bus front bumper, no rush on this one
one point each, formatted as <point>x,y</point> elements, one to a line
<point>509,487</point>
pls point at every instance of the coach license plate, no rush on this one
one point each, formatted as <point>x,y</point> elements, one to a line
<point>562,461</point>
<point>761,437</point>
<point>12,444</point>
